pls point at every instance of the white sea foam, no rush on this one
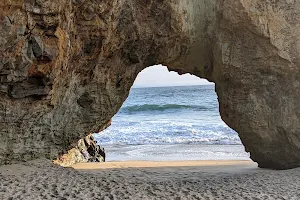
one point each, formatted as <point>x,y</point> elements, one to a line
<point>175,152</point>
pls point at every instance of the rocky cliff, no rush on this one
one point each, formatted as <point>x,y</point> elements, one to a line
<point>67,66</point>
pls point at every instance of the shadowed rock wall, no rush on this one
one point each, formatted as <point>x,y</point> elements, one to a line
<point>67,66</point>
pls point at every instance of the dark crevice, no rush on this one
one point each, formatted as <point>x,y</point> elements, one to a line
<point>37,49</point>
<point>35,87</point>
<point>118,84</point>
<point>10,21</point>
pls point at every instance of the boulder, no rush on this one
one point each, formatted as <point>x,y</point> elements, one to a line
<point>86,150</point>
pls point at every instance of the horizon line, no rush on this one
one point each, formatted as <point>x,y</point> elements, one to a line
<point>171,85</point>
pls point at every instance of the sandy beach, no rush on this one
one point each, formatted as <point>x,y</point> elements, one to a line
<point>148,180</point>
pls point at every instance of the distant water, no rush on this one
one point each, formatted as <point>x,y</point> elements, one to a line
<point>171,123</point>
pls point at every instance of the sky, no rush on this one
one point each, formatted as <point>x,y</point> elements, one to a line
<point>159,76</point>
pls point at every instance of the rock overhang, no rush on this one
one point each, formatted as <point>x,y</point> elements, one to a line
<point>67,67</point>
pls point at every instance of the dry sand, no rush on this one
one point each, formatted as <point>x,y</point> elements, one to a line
<point>148,180</point>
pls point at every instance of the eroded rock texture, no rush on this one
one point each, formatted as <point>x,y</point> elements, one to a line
<point>67,66</point>
<point>85,150</point>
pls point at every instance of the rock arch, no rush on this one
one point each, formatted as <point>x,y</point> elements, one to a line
<point>67,66</point>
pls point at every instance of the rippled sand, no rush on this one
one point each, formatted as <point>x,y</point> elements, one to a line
<point>148,180</point>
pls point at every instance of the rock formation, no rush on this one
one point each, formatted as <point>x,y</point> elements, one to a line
<point>67,66</point>
<point>85,150</point>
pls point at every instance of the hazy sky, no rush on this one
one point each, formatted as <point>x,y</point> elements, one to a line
<point>159,75</point>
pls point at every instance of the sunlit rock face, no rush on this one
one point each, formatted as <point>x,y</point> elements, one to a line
<point>67,66</point>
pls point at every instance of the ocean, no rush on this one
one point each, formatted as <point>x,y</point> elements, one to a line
<point>168,124</point>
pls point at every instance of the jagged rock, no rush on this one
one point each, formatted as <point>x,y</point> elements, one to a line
<point>86,150</point>
<point>87,55</point>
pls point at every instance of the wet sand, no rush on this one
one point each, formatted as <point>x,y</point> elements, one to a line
<point>148,180</point>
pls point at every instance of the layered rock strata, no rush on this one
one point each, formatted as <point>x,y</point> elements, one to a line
<point>67,66</point>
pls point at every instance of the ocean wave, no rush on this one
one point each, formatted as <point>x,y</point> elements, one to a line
<point>164,107</point>
<point>169,141</point>
<point>157,135</point>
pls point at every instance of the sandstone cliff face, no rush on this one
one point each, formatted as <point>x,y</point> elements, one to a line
<point>67,66</point>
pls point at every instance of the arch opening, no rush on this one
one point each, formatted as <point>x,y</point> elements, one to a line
<point>170,117</point>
